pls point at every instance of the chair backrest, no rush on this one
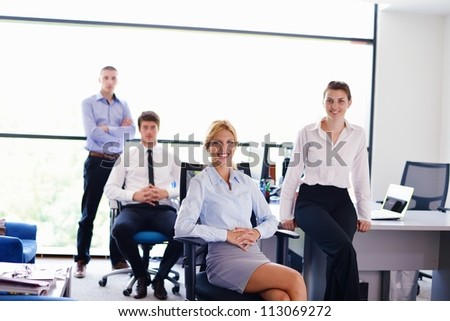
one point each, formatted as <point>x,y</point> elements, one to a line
<point>188,171</point>
<point>430,182</point>
<point>245,167</point>
<point>19,244</point>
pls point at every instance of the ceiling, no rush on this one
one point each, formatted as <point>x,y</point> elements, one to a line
<point>438,7</point>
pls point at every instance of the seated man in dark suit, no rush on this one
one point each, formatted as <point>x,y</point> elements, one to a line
<point>145,179</point>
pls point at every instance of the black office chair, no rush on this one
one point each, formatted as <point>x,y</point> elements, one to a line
<point>147,240</point>
<point>195,249</point>
<point>430,182</point>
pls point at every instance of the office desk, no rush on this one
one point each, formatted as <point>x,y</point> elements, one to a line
<point>420,241</point>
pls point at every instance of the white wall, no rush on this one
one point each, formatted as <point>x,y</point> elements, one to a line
<point>445,121</point>
<point>408,95</point>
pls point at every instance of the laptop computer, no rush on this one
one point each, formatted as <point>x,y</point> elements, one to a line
<point>395,204</point>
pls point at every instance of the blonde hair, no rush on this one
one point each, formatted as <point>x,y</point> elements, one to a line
<point>215,127</point>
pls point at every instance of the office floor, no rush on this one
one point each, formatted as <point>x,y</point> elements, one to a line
<point>88,289</point>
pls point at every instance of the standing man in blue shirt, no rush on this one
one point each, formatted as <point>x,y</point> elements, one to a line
<point>107,124</point>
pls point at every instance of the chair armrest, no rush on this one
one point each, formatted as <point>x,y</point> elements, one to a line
<point>11,249</point>
<point>443,209</point>
<point>283,237</point>
<point>113,204</point>
<point>287,233</point>
<point>189,263</point>
<point>21,230</point>
<point>114,209</point>
<point>191,240</point>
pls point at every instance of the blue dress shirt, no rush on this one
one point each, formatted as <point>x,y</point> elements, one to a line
<point>96,111</point>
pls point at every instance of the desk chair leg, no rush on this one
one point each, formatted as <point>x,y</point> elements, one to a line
<point>104,279</point>
<point>189,270</point>
<point>282,249</point>
<point>129,288</point>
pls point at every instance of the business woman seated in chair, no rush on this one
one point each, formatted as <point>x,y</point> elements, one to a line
<point>223,199</point>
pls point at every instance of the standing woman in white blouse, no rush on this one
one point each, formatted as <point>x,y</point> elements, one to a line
<point>325,156</point>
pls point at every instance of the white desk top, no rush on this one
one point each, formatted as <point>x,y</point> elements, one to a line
<point>413,221</point>
<point>417,221</point>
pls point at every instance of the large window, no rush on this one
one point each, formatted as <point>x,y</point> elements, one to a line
<point>264,84</point>
<point>265,75</point>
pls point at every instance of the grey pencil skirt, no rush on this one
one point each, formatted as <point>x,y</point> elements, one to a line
<point>230,267</point>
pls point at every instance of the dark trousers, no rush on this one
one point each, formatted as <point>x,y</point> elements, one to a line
<point>96,173</point>
<point>144,217</point>
<point>327,215</point>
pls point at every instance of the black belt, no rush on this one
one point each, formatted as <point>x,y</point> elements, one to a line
<point>105,156</point>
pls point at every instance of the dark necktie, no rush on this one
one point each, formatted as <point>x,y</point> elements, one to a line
<point>151,177</point>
